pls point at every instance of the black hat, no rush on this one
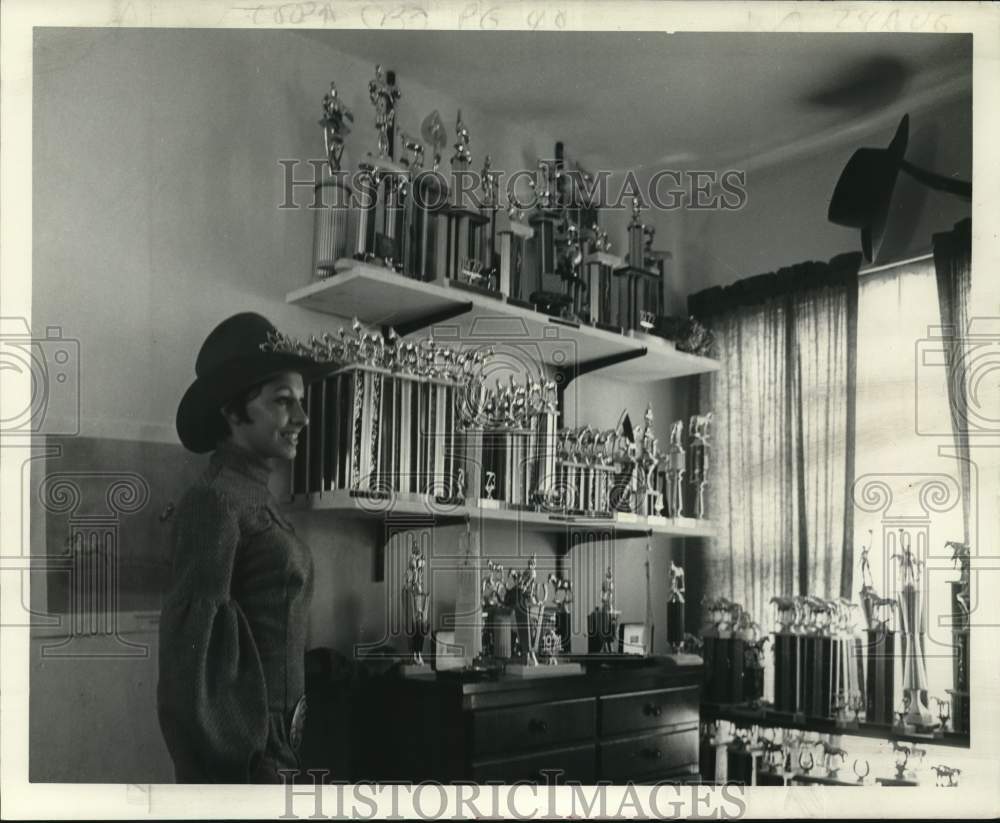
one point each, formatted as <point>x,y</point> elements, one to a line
<point>232,360</point>
<point>863,193</point>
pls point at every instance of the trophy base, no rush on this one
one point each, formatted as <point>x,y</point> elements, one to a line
<point>684,659</point>
<point>656,520</point>
<point>626,517</point>
<point>485,503</point>
<point>415,670</point>
<point>522,670</point>
<point>895,781</point>
<point>483,290</point>
<point>685,522</point>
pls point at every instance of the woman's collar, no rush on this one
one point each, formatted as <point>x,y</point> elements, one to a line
<point>241,460</point>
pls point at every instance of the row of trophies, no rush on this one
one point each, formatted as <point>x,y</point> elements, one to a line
<point>406,217</point>
<point>762,757</point>
<point>418,418</point>
<point>828,666</point>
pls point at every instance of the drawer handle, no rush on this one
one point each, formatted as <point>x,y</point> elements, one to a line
<point>653,709</point>
<point>538,726</point>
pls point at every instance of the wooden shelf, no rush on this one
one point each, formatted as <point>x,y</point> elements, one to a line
<point>378,296</point>
<point>764,716</point>
<point>418,507</point>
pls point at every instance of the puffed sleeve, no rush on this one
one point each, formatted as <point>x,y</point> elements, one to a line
<point>211,694</point>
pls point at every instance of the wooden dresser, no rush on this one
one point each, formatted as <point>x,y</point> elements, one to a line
<point>617,722</point>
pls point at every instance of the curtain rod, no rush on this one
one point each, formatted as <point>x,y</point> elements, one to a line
<point>875,269</point>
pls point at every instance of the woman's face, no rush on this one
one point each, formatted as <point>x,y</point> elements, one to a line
<point>276,418</point>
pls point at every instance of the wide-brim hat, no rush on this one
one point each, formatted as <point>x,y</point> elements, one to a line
<point>863,193</point>
<point>232,359</point>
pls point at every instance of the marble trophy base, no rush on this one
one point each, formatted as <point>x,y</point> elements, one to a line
<point>684,522</point>
<point>487,503</point>
<point>684,659</point>
<point>523,670</point>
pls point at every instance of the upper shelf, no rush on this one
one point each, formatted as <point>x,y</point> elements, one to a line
<point>417,506</point>
<point>378,296</point>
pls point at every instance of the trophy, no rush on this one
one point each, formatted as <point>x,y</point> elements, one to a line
<point>330,224</point>
<point>913,627</point>
<point>514,233</point>
<point>649,498</point>
<point>698,458</point>
<point>603,621</point>
<point>945,776</point>
<point>499,623</point>
<point>675,471</point>
<point>415,604</point>
<point>960,609</point>
<point>379,216</point>
<point>638,287</point>
<point>600,264</point>
<point>675,608</point>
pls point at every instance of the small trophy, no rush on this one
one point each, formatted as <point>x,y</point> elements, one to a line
<point>698,458</point>
<point>675,608</point>
<point>330,224</point>
<point>603,621</point>
<point>514,233</point>
<point>415,604</point>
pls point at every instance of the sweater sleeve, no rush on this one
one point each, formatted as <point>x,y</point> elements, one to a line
<point>211,694</point>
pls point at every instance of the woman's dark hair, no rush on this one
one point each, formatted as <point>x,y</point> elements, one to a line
<point>237,406</point>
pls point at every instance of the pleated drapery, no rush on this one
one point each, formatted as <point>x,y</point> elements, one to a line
<point>783,452</point>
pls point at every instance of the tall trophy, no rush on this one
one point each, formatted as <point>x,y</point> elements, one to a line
<point>330,224</point>
<point>466,224</point>
<point>514,233</point>
<point>379,215</point>
<point>637,285</point>
<point>960,609</point>
<point>415,607</point>
<point>913,612</point>
<point>675,471</point>
<point>698,459</point>
<point>600,264</point>
<point>430,195</point>
<point>603,621</point>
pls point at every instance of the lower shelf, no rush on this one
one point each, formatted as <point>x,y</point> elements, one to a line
<point>763,716</point>
<point>349,504</point>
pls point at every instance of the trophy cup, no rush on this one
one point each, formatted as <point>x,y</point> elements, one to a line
<point>698,458</point>
<point>330,224</point>
<point>379,217</point>
<point>600,264</point>
<point>913,627</point>
<point>415,605</point>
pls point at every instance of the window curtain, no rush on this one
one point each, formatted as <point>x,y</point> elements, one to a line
<point>783,456</point>
<point>953,265</point>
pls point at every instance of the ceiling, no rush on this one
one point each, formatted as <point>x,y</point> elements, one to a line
<point>630,99</point>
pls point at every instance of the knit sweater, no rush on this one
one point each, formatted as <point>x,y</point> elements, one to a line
<point>233,627</point>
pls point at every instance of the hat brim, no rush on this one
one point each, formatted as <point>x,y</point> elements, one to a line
<point>199,423</point>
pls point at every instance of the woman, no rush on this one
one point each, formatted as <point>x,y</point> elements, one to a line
<point>230,696</point>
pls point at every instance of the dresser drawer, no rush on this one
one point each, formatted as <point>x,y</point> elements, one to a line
<point>642,711</point>
<point>637,757</point>
<point>541,725</point>
<point>572,763</point>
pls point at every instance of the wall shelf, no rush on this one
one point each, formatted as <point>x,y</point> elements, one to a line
<point>379,296</point>
<point>425,507</point>
<point>745,715</point>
